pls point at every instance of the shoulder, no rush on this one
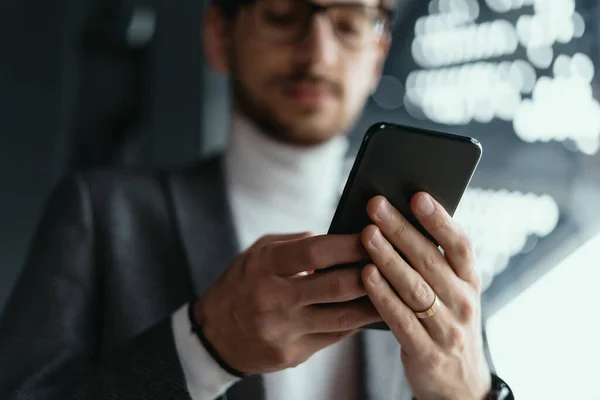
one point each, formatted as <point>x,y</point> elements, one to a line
<point>100,188</point>
<point>136,181</point>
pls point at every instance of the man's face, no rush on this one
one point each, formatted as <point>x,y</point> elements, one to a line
<point>299,91</point>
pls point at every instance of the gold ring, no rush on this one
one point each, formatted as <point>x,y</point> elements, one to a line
<point>431,310</point>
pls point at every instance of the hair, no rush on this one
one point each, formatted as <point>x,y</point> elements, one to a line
<point>230,8</point>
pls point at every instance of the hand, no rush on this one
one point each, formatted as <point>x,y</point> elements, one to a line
<point>264,315</point>
<point>443,354</point>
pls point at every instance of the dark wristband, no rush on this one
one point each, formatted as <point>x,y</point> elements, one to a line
<point>197,330</point>
<point>499,391</point>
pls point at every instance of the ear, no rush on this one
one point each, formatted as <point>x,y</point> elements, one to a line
<point>216,38</point>
<point>382,52</point>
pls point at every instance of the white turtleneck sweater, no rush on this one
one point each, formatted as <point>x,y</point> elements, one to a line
<point>275,188</point>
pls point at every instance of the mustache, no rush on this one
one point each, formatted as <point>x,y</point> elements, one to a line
<point>298,77</point>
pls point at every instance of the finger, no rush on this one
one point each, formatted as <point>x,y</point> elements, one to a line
<point>408,284</point>
<point>329,287</point>
<point>338,317</point>
<point>407,329</point>
<point>281,237</point>
<point>447,232</point>
<point>420,252</point>
<point>412,288</point>
<point>314,253</point>
<point>443,327</point>
<point>414,291</point>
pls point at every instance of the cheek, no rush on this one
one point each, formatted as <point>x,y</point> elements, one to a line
<point>257,66</point>
<point>361,79</point>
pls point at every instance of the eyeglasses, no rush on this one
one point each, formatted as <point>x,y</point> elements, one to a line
<point>289,21</point>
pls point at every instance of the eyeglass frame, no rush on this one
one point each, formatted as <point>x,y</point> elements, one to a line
<point>387,17</point>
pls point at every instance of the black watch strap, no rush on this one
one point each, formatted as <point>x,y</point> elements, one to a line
<point>197,330</point>
<point>500,390</point>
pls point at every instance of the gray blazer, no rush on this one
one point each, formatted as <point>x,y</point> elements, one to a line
<point>115,255</point>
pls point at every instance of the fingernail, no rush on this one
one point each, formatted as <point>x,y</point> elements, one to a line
<point>377,240</point>
<point>425,205</point>
<point>384,212</point>
<point>375,277</point>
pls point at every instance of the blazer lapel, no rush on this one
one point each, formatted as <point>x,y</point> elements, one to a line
<point>205,223</point>
<point>208,236</point>
<point>383,374</point>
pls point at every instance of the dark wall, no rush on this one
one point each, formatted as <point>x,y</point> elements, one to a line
<point>87,83</point>
<point>33,143</point>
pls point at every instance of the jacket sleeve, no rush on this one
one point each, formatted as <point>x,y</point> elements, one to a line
<point>50,331</point>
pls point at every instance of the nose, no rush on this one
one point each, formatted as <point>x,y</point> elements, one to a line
<point>320,46</point>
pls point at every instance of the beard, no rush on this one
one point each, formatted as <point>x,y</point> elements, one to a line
<point>309,126</point>
<point>259,113</point>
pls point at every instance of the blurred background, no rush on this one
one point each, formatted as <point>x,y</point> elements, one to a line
<point>87,83</point>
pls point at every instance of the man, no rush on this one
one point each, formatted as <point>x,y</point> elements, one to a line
<point>133,289</point>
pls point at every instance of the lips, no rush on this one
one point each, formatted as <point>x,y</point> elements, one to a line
<point>310,94</point>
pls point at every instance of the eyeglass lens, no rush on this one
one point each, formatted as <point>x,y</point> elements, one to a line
<point>289,21</point>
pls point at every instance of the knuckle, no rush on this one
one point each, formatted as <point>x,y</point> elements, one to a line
<point>252,264</point>
<point>466,310</point>
<point>282,356</point>
<point>433,361</point>
<point>456,339</point>
<point>463,247</point>
<point>405,322</point>
<point>443,222</point>
<point>343,321</point>
<point>477,283</point>
<point>422,293</point>
<point>404,356</point>
<point>399,229</point>
<point>387,300</point>
<point>336,288</point>
<point>266,250</point>
<point>294,362</point>
<point>263,241</point>
<point>432,261</point>
<point>390,262</point>
<point>311,252</point>
<point>288,356</point>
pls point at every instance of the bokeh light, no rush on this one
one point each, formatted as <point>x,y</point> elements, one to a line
<point>547,95</point>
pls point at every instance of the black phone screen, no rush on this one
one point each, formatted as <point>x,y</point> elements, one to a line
<point>397,162</point>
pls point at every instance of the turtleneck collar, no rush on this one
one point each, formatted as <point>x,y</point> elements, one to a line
<point>299,179</point>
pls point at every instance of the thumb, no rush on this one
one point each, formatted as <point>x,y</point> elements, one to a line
<point>281,238</point>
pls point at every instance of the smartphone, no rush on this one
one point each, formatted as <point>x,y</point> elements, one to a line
<point>397,162</point>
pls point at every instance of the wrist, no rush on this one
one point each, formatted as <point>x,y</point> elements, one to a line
<point>486,388</point>
<point>198,321</point>
<point>498,390</point>
<point>208,329</point>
